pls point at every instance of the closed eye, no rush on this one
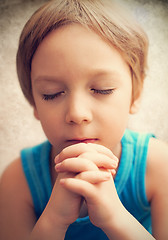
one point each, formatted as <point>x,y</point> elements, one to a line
<point>102,91</point>
<point>48,97</point>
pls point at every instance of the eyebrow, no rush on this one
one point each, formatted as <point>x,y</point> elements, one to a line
<point>105,72</point>
<point>94,73</point>
<point>47,78</point>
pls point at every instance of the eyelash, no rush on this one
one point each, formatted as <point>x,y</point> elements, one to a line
<point>48,97</point>
<point>103,92</point>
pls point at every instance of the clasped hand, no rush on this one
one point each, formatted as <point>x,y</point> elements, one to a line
<point>85,171</point>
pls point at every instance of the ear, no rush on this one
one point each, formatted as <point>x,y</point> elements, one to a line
<point>36,113</point>
<point>135,104</point>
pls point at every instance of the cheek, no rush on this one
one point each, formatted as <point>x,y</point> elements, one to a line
<point>50,121</point>
<point>118,109</point>
<point>115,118</point>
<point>113,131</point>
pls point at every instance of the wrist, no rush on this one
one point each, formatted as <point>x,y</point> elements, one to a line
<point>125,227</point>
<point>47,228</point>
<point>55,221</point>
<point>115,222</point>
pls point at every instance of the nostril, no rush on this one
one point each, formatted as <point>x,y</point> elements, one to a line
<point>78,116</point>
<point>78,109</point>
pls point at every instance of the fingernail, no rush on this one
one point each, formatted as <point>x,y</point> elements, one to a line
<point>116,163</point>
<point>57,167</point>
<point>116,159</point>
<point>62,181</point>
<point>107,175</point>
<point>56,160</point>
<point>113,172</point>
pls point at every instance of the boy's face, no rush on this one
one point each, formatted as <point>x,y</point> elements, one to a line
<point>82,89</point>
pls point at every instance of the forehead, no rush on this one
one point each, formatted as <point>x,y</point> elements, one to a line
<point>75,50</point>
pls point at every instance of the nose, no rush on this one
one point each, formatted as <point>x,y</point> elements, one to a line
<point>78,110</point>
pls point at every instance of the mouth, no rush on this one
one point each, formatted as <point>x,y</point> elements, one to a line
<point>85,140</point>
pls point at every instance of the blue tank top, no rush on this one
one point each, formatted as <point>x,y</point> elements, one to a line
<point>129,182</point>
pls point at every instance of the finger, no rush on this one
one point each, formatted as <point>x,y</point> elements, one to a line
<point>102,149</point>
<point>78,186</point>
<point>77,149</point>
<point>113,172</point>
<point>76,165</point>
<point>101,160</point>
<point>73,151</point>
<point>86,189</point>
<point>94,177</point>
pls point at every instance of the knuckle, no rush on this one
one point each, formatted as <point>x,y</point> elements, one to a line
<point>65,163</point>
<point>62,155</point>
<point>84,155</point>
<point>83,147</point>
<point>81,175</point>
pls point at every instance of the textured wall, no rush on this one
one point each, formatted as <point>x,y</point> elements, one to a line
<point>18,128</point>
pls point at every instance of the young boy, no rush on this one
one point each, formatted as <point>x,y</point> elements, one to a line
<point>81,65</point>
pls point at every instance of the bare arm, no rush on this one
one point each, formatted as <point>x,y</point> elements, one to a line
<point>16,209</point>
<point>17,217</point>
<point>157,187</point>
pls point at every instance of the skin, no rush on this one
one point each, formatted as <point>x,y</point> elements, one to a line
<point>82,89</point>
<point>73,68</point>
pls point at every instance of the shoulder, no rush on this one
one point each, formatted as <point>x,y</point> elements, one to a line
<point>16,206</point>
<point>157,167</point>
<point>12,172</point>
<point>156,186</point>
<point>13,182</point>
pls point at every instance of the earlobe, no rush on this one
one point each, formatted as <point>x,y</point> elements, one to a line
<point>135,105</point>
<point>36,113</point>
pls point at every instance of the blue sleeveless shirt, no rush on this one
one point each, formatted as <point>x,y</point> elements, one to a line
<point>129,183</point>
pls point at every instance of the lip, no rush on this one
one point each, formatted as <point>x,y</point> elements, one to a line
<point>85,140</point>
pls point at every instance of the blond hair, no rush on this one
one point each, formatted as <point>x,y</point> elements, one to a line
<point>103,17</point>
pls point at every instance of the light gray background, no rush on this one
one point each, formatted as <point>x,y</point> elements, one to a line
<point>18,127</point>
